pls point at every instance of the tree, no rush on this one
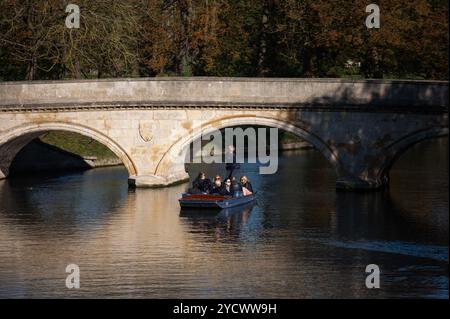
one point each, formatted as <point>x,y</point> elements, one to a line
<point>34,35</point>
<point>286,38</point>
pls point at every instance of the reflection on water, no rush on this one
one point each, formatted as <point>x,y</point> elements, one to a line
<point>226,224</point>
<point>301,239</point>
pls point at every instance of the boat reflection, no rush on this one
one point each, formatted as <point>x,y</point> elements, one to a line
<point>214,213</point>
<point>226,224</point>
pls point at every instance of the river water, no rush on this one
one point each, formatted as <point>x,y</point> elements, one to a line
<point>301,240</point>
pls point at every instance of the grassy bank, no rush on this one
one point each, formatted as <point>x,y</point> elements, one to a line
<point>78,144</point>
<point>87,147</point>
<point>288,137</point>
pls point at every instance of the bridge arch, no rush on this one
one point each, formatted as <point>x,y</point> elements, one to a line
<point>174,158</point>
<point>395,150</point>
<point>14,139</point>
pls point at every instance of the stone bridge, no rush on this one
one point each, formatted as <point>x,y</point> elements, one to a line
<point>359,126</point>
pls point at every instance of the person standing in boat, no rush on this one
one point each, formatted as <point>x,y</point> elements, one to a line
<point>230,160</point>
<point>236,187</point>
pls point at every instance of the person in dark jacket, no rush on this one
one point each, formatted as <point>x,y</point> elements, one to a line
<point>227,190</point>
<point>236,187</point>
<point>201,184</point>
<point>246,183</point>
<point>217,185</point>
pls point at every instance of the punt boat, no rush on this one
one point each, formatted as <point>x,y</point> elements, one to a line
<point>213,201</point>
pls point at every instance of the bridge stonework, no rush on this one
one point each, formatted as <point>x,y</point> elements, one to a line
<point>360,127</point>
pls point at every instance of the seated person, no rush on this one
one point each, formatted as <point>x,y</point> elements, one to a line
<point>217,185</point>
<point>227,190</point>
<point>247,188</point>
<point>201,184</point>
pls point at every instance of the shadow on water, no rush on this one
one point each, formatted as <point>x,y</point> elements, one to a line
<point>78,200</point>
<point>375,222</point>
<point>379,215</point>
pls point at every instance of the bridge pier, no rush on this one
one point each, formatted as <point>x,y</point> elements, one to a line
<point>155,181</point>
<point>362,167</point>
<point>356,183</point>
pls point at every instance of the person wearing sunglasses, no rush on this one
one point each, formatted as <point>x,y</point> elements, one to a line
<point>217,185</point>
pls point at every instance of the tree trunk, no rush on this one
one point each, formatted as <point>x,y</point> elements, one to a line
<point>77,69</point>
<point>262,55</point>
<point>184,45</point>
<point>31,68</point>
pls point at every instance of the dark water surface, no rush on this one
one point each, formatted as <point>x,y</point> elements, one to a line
<point>302,239</point>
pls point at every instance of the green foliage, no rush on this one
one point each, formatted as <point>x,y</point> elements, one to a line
<point>77,144</point>
<point>288,137</point>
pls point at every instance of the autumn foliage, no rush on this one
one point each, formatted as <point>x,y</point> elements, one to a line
<point>272,38</point>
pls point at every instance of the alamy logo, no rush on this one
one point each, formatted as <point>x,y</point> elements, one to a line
<point>237,145</point>
<point>73,19</point>
<point>373,279</point>
<point>373,19</point>
<point>73,279</point>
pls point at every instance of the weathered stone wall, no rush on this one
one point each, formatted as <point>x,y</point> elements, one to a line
<point>225,92</point>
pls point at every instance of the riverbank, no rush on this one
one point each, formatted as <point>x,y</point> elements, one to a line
<point>78,144</point>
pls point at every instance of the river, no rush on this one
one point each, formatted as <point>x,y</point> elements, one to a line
<point>302,239</point>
